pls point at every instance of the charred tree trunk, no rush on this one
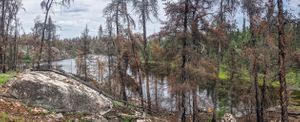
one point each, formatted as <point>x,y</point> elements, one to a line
<point>85,58</point>
<point>263,92</point>
<point>232,76</point>
<point>6,38</point>
<point>215,84</point>
<point>120,68</point>
<point>263,105</point>
<point>281,61</point>
<point>109,58</point>
<point>257,100</point>
<point>49,44</point>
<point>15,46</point>
<point>135,58</point>
<point>184,60</point>
<point>48,6</point>
<point>195,108</point>
<point>254,69</point>
<point>214,100</point>
<point>182,106</point>
<point>146,56</point>
<point>141,87</point>
<point>3,65</point>
<point>123,89</point>
<point>156,92</point>
<point>1,55</point>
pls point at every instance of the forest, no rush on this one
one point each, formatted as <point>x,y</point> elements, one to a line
<point>204,64</point>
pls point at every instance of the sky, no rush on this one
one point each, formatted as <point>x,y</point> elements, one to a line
<point>72,20</point>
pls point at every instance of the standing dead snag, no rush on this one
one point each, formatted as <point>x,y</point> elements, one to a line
<point>253,10</point>
<point>183,76</point>
<point>9,11</point>
<point>47,5</point>
<point>85,51</point>
<point>145,8</point>
<point>51,34</point>
<point>3,55</point>
<point>281,62</point>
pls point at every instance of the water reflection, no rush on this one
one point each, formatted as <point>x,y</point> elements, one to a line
<point>164,96</point>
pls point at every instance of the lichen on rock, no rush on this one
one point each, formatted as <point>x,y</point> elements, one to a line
<point>58,93</point>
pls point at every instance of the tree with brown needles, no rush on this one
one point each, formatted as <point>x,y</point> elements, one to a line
<point>281,62</point>
<point>116,10</point>
<point>146,8</point>
<point>226,8</point>
<point>253,10</point>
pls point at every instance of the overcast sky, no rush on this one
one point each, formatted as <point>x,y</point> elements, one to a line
<point>73,20</point>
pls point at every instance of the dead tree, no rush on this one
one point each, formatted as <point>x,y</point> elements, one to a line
<point>281,62</point>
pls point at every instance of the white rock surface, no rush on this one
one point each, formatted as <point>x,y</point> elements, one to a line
<point>57,92</point>
<point>228,118</point>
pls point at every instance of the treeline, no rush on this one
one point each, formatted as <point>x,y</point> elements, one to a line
<point>20,50</point>
<point>9,25</point>
<point>244,70</point>
<point>200,49</point>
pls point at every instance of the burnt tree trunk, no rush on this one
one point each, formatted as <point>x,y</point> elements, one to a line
<point>184,61</point>
<point>48,6</point>
<point>15,46</point>
<point>3,65</point>
<point>119,55</point>
<point>254,69</point>
<point>49,44</point>
<point>281,62</point>
<point>146,56</point>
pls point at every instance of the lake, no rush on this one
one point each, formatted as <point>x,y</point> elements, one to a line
<point>166,101</point>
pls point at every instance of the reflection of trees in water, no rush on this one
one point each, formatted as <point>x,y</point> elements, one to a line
<point>163,97</point>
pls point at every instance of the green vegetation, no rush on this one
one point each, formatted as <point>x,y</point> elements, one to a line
<point>117,104</point>
<point>127,119</point>
<point>27,59</point>
<point>224,75</point>
<point>222,109</point>
<point>6,77</point>
<point>3,117</point>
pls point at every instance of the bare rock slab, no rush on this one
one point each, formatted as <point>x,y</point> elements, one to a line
<point>58,93</point>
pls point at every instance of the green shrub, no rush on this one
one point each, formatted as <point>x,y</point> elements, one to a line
<point>127,119</point>
<point>27,59</point>
<point>6,77</point>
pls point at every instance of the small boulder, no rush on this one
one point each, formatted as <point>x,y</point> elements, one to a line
<point>228,118</point>
<point>38,110</point>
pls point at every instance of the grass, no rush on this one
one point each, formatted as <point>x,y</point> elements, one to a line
<point>294,107</point>
<point>127,119</point>
<point>6,77</point>
<point>292,79</point>
<point>117,104</point>
<point>3,117</point>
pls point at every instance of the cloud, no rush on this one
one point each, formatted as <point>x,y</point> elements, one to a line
<point>76,10</point>
<point>72,20</point>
